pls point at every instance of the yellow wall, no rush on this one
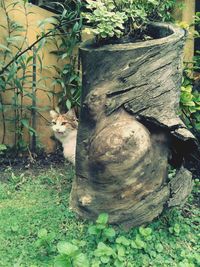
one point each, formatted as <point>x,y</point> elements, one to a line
<point>36,14</point>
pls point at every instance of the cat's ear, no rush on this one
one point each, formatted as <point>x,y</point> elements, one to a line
<point>53,114</point>
<point>71,114</point>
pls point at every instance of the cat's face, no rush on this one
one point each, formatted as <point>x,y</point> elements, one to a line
<point>63,124</point>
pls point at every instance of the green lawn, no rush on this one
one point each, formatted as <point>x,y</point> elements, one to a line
<point>34,217</point>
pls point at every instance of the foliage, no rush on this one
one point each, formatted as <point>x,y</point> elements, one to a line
<point>3,148</point>
<point>70,255</point>
<point>117,18</point>
<point>17,75</point>
<point>190,101</point>
<point>21,62</point>
<point>66,43</point>
<point>196,34</point>
<point>190,90</point>
<point>42,231</point>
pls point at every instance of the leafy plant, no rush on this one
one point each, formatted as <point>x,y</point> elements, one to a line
<point>18,75</point>
<point>190,103</point>
<point>100,230</point>
<point>65,38</point>
<point>45,240</point>
<point>190,94</point>
<point>70,256</point>
<point>21,62</point>
<point>117,18</point>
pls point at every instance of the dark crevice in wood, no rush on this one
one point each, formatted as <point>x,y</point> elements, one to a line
<point>160,68</point>
<point>161,94</point>
<point>124,90</point>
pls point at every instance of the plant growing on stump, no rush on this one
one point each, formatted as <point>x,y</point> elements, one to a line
<point>112,19</point>
<point>129,129</point>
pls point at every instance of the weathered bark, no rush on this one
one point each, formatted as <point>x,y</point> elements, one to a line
<point>128,127</point>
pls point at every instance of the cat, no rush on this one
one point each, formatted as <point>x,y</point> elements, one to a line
<point>65,127</point>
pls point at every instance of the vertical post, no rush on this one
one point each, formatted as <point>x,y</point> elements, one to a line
<point>186,14</point>
<point>33,111</point>
<point>197,40</point>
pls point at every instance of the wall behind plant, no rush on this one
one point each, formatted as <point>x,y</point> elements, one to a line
<point>29,91</point>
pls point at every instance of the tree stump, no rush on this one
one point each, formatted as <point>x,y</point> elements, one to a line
<point>129,129</point>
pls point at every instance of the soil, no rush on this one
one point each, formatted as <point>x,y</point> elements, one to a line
<point>31,161</point>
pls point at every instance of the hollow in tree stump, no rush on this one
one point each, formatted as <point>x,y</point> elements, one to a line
<point>129,129</point>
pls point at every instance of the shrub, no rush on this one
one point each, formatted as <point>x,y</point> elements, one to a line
<point>116,18</point>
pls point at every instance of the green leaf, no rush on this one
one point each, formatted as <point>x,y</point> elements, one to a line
<point>42,233</point>
<point>13,39</point>
<point>139,243</point>
<point>197,126</point>
<point>153,254</point>
<point>185,97</point>
<point>62,261</point>
<point>177,228</point>
<point>79,243</point>
<point>121,251</point>
<point>51,236</point>
<point>118,263</point>
<point>102,218</point>
<point>3,147</point>
<point>93,230</point>
<point>133,244</point>
<point>189,104</point>
<point>47,21</point>
<point>100,226</point>
<point>68,104</point>
<point>81,260</point>
<point>96,262</point>
<point>65,55</point>
<point>40,45</point>
<point>109,232</point>
<point>145,231</point>
<point>3,47</point>
<point>76,27</point>
<point>103,250</point>
<point>25,123</point>
<point>123,240</point>
<point>187,88</point>
<point>154,2</point>
<point>159,247</point>
<point>67,248</point>
<point>105,259</point>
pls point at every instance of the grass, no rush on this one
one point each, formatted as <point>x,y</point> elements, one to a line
<point>31,202</point>
<point>35,204</point>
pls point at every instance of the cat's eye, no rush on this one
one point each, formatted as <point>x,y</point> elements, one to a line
<point>64,123</point>
<point>53,123</point>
